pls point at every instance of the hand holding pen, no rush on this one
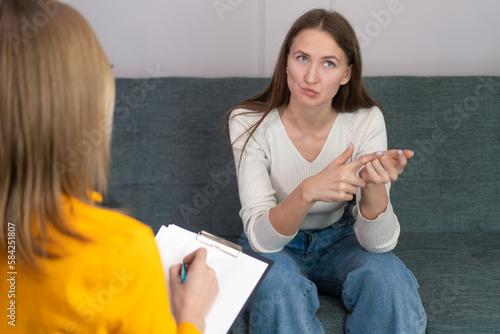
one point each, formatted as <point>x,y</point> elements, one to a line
<point>193,288</point>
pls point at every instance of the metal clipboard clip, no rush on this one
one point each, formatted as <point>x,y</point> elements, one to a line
<point>222,244</point>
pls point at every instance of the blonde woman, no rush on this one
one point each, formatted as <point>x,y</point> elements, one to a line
<point>73,266</point>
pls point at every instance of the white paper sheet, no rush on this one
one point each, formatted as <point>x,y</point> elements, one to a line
<point>237,276</point>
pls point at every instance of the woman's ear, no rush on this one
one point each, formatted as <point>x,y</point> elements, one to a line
<point>347,75</point>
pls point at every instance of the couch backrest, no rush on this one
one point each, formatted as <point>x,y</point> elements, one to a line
<point>171,161</point>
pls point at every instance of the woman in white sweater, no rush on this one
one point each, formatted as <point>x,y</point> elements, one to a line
<point>314,176</point>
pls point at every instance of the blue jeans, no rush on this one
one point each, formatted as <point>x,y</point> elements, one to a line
<point>379,292</point>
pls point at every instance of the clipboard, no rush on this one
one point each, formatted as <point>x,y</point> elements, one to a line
<point>239,271</point>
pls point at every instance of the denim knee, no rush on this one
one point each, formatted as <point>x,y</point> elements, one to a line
<point>381,295</point>
<point>383,274</point>
<point>286,301</point>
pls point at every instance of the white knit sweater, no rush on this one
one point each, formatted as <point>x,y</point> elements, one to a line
<point>271,168</point>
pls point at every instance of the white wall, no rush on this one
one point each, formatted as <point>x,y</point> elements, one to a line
<point>223,38</point>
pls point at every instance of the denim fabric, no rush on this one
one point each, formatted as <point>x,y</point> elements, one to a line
<point>378,290</point>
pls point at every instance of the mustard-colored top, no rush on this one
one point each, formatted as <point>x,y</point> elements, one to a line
<point>112,284</point>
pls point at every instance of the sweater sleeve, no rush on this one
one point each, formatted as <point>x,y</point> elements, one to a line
<point>381,234</point>
<point>256,193</point>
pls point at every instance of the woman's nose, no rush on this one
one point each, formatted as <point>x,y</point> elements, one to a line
<point>311,76</point>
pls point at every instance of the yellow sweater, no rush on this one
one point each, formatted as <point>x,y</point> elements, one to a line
<point>112,284</point>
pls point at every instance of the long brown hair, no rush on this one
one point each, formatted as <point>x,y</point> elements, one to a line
<point>56,103</point>
<point>350,97</point>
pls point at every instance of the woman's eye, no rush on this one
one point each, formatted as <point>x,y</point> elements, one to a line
<point>329,64</point>
<point>302,58</point>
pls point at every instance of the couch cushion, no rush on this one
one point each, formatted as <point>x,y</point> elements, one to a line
<point>451,123</point>
<point>171,162</point>
<point>459,277</point>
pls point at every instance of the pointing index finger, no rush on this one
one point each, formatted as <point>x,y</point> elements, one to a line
<point>361,161</point>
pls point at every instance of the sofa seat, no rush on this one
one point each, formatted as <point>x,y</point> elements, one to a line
<point>459,277</point>
<point>170,163</point>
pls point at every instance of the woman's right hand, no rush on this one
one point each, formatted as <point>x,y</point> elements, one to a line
<point>192,300</point>
<point>338,181</point>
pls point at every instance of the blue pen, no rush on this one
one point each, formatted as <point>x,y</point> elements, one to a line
<point>183,273</point>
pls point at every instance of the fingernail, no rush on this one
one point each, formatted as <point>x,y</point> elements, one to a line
<point>349,146</point>
<point>412,153</point>
<point>400,152</point>
<point>379,153</point>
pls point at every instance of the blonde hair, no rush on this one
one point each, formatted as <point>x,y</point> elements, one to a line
<point>56,103</point>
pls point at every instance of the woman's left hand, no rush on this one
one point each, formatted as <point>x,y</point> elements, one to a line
<point>387,167</point>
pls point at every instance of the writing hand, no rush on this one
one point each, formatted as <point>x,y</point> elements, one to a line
<point>192,300</point>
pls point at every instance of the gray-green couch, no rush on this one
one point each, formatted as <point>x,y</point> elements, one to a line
<point>171,163</point>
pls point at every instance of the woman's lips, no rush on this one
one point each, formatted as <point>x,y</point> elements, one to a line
<point>310,92</point>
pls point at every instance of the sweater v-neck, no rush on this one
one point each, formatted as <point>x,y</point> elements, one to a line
<point>290,141</point>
